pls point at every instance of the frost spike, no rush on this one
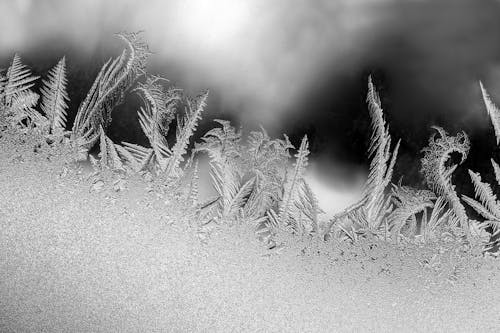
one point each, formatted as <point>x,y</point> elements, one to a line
<point>54,96</point>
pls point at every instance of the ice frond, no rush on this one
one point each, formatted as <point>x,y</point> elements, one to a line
<point>109,155</point>
<point>19,79</point>
<point>266,194</point>
<point>487,206</point>
<point>22,110</point>
<point>192,196</point>
<point>263,150</point>
<point>225,181</point>
<point>128,158</point>
<point>485,194</point>
<point>439,177</point>
<point>347,212</point>
<point>408,202</point>
<point>155,118</point>
<point>108,90</point>
<point>261,159</point>
<point>136,156</point>
<point>23,101</point>
<point>228,185</point>
<point>240,198</point>
<point>480,208</point>
<point>160,106</point>
<point>186,126</point>
<point>374,206</point>
<point>267,160</point>
<point>307,203</point>
<point>54,97</point>
<point>380,142</point>
<point>492,110</point>
<point>264,230</point>
<point>287,212</point>
<point>496,169</point>
<point>221,144</point>
<point>408,196</point>
<point>439,215</point>
<point>380,134</point>
<point>381,165</point>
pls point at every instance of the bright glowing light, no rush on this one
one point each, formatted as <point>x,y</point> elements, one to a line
<point>213,22</point>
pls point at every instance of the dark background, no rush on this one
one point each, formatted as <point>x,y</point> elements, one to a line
<point>426,58</point>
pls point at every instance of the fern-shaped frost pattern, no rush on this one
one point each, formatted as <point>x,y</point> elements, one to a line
<point>492,110</point>
<point>288,214</point>
<point>408,202</point>
<point>439,177</point>
<point>186,127</point>
<point>54,96</point>
<point>108,90</point>
<point>156,115</point>
<point>19,79</point>
<point>382,163</point>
